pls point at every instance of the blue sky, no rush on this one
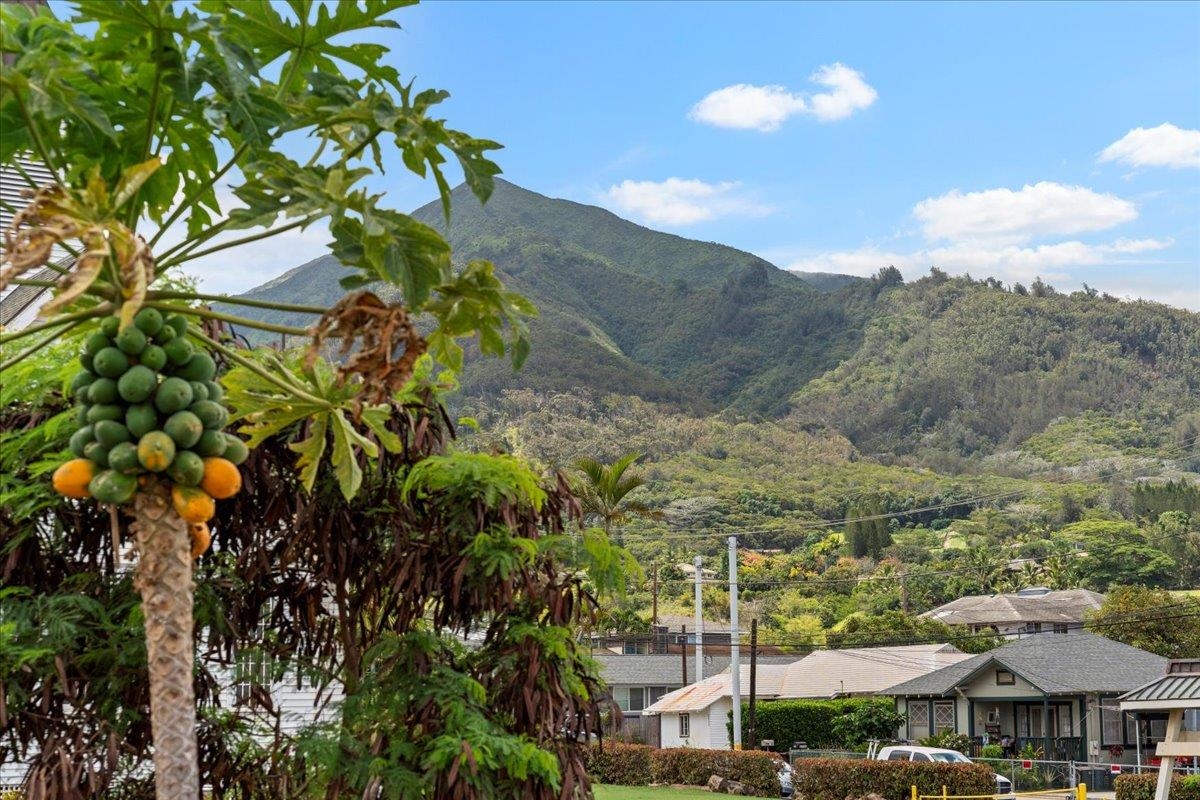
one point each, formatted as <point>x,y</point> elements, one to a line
<point>999,139</point>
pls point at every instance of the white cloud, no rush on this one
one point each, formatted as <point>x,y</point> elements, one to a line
<point>765,108</point>
<point>849,93</point>
<point>1007,216</point>
<point>679,201</point>
<point>1164,146</point>
<point>1006,262</point>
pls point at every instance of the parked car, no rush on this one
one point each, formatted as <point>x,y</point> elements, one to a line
<point>913,753</point>
<point>785,779</point>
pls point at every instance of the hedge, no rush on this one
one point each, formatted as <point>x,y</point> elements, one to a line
<point>620,763</point>
<point>852,779</point>
<point>1141,787</point>
<point>641,765</point>
<point>808,721</point>
<point>694,766</point>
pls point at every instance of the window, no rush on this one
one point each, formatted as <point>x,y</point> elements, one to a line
<point>898,755</point>
<point>921,757</point>
<point>918,720</point>
<point>637,698</point>
<point>657,692</point>
<point>1060,627</point>
<point>943,717</point>
<point>685,725</point>
<point>1005,678</point>
<point>1110,725</point>
<point>251,667</point>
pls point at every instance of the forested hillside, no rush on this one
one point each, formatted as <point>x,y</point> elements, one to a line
<point>959,434</point>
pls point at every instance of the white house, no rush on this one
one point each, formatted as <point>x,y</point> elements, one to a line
<point>1033,610</point>
<point>696,715</point>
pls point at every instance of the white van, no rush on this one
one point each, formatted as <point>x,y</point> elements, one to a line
<point>913,753</point>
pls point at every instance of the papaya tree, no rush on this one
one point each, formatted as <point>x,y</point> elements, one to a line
<point>146,113</point>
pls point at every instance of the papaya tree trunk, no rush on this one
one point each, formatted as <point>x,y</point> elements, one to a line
<point>164,580</point>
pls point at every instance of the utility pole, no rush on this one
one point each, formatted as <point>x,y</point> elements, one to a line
<point>735,664</point>
<point>684,651</point>
<point>904,592</point>
<point>654,605</point>
<point>697,561</point>
<point>753,722</point>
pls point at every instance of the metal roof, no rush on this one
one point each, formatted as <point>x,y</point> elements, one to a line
<point>1055,663</point>
<point>1179,688</point>
<point>666,670</point>
<point>822,674</point>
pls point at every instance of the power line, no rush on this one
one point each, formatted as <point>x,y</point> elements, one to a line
<point>700,533</point>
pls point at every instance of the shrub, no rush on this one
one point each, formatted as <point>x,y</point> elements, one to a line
<point>837,779</point>
<point>640,765</point>
<point>620,763</point>
<point>694,766</point>
<point>813,721</point>
<point>948,740</point>
<point>1141,787</point>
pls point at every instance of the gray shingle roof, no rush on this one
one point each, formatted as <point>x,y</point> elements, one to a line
<point>667,670</point>
<point>1056,663</point>
<point>1068,605</point>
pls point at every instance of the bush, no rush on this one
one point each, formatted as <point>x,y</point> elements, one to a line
<point>948,740</point>
<point>838,779</point>
<point>640,765</point>
<point>813,721</point>
<point>1141,787</point>
<point>619,763</point>
<point>694,766</point>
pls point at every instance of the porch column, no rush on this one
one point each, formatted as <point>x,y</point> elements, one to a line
<point>1047,753</point>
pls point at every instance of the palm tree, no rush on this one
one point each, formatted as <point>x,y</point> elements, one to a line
<point>605,489</point>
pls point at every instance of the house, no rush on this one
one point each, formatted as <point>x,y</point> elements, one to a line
<point>637,681</point>
<point>1054,693</point>
<point>695,716</point>
<point>1176,694</point>
<point>19,305</point>
<point>1033,610</point>
<point>668,635</point>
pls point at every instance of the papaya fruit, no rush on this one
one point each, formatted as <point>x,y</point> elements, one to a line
<point>173,394</point>
<point>199,390</point>
<point>236,450</point>
<point>212,443</point>
<point>156,451</point>
<point>102,390</point>
<point>123,458</point>
<point>185,428</point>
<point>179,351</point>
<point>110,326</point>
<point>111,486</point>
<point>110,363</point>
<point>201,538</point>
<point>131,341</point>
<point>153,357</point>
<point>193,504</point>
<point>212,415</point>
<point>215,391</point>
<point>95,343</point>
<point>81,415</point>
<point>106,411</point>
<point>85,361</point>
<point>73,477</point>
<point>96,453</point>
<point>81,439</point>
<point>149,321</point>
<point>164,335</point>
<point>138,384</point>
<point>110,433</point>
<point>82,379</point>
<point>140,419</point>
<point>187,469</point>
<point>178,323</point>
<point>200,367</point>
<point>221,478</point>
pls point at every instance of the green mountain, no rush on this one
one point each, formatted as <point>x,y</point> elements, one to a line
<point>950,368</point>
<point>629,310</point>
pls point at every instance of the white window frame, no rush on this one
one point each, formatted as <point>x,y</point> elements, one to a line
<point>937,726</point>
<point>685,726</point>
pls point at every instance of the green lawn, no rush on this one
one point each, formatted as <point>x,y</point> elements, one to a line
<point>651,793</point>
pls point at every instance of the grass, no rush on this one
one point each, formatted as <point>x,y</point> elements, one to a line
<point>650,793</point>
